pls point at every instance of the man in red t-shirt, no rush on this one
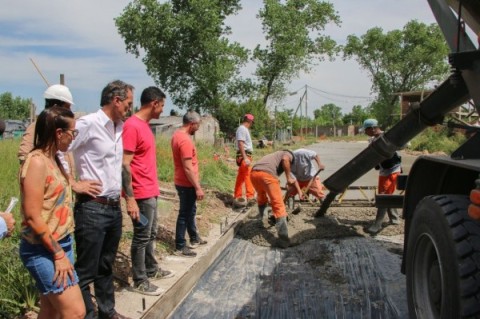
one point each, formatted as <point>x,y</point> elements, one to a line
<point>187,183</point>
<point>140,186</point>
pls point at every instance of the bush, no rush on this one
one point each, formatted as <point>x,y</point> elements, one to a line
<point>437,139</point>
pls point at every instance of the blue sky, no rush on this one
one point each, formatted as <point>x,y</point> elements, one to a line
<point>79,39</point>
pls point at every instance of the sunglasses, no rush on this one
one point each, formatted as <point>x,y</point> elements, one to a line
<point>74,132</point>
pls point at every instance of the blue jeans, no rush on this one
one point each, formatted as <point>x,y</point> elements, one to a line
<point>98,229</point>
<point>39,262</point>
<point>143,242</point>
<point>186,216</point>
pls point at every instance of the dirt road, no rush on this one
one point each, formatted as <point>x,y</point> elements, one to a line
<point>332,270</point>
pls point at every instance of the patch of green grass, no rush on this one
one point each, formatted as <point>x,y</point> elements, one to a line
<point>18,293</point>
<point>213,174</point>
<point>437,139</point>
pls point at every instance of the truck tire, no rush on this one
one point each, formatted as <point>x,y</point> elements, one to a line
<point>443,260</point>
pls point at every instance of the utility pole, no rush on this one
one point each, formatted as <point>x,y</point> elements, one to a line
<point>274,126</point>
<point>306,111</point>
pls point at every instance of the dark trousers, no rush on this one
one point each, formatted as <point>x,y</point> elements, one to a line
<point>98,229</point>
<point>143,242</point>
<point>186,216</point>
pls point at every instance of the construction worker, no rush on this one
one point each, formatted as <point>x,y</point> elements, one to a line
<point>304,170</point>
<point>387,179</point>
<point>244,163</point>
<point>265,180</point>
<point>58,95</point>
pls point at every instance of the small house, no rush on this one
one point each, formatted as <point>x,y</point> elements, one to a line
<point>166,125</point>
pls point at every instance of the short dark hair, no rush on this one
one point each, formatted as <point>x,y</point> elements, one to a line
<point>113,89</point>
<point>152,93</point>
<point>191,117</point>
<point>53,102</point>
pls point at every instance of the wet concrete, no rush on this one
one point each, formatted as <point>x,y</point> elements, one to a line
<point>346,278</point>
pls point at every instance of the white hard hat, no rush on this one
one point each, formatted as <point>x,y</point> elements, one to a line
<point>59,92</point>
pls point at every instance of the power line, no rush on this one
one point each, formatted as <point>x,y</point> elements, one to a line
<point>341,95</point>
<point>333,99</point>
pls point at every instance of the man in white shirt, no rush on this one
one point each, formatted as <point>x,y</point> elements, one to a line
<point>303,171</point>
<point>244,161</point>
<point>98,153</point>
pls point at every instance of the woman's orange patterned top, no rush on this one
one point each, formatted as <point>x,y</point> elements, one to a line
<point>57,201</point>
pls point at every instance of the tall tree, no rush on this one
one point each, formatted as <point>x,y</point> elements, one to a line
<point>14,108</point>
<point>185,49</point>
<point>357,115</point>
<point>399,61</point>
<point>293,32</point>
<point>328,114</point>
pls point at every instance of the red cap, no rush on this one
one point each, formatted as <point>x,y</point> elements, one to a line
<point>249,117</point>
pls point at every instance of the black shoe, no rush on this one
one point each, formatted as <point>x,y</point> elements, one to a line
<point>198,242</point>
<point>161,274</point>
<point>147,288</point>
<point>185,252</point>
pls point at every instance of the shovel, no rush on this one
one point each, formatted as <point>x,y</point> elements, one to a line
<point>298,209</point>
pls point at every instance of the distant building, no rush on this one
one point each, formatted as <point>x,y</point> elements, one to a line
<point>14,129</point>
<point>409,100</point>
<point>166,125</point>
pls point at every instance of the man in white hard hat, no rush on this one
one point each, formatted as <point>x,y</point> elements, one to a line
<point>56,94</point>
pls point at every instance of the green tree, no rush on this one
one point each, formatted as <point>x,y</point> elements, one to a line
<point>328,114</point>
<point>14,108</point>
<point>185,49</point>
<point>293,32</point>
<point>356,116</point>
<point>399,61</point>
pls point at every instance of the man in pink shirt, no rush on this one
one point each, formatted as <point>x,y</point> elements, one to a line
<point>187,183</point>
<point>140,187</point>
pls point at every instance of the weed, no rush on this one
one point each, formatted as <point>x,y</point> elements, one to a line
<point>19,293</point>
<point>437,139</point>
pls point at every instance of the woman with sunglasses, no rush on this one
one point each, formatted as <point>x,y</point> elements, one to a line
<point>46,248</point>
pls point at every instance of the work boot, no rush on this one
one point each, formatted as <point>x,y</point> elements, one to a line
<point>271,219</point>
<point>239,202</point>
<point>377,226</point>
<point>393,216</point>
<point>261,212</point>
<point>282,231</point>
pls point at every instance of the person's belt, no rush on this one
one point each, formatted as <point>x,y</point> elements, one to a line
<point>110,201</point>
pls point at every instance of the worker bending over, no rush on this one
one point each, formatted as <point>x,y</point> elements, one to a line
<point>304,171</point>
<point>265,179</point>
